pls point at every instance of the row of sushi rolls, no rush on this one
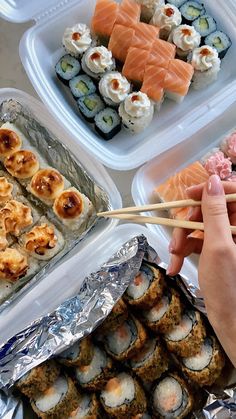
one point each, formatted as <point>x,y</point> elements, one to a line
<point>135,54</point>
<point>31,193</point>
<point>148,359</point>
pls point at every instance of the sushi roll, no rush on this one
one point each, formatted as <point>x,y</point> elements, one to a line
<point>136,112</point>
<point>46,185</point>
<point>148,8</point>
<point>228,146</point>
<point>185,339</point>
<point>97,61</point>
<point>81,353</point>
<point>123,397</point>
<point>16,216</point>
<point>177,3</point>
<point>115,319</point>
<point>114,88</point>
<point>6,190</point>
<point>186,39</point>
<point>216,163</point>
<point>81,86</point>
<point>220,41</point>
<point>67,68</point>
<point>206,366</point>
<point>205,25</point>
<point>39,379</point>
<point>10,141</point>
<point>171,398</point>
<point>192,10</point>
<point>90,106</point>
<point>103,21</point>
<point>206,64</point>
<point>146,288</point>
<point>94,376</point>
<point>89,408</point>
<point>77,39</point>
<point>72,208</point>
<point>22,164</point>
<point>107,123</point>
<point>165,314</point>
<point>167,18</point>
<point>151,361</point>
<point>58,400</point>
<point>126,340</point>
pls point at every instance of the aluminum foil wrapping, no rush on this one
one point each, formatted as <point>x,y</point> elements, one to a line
<point>56,155</point>
<point>80,315</point>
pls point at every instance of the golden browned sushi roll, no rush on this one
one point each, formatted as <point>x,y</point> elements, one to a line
<point>9,142</point>
<point>38,379</point>
<point>185,339</point>
<point>81,353</point>
<point>206,366</point>
<point>13,265</point>
<point>6,189</point>
<point>22,164</point>
<point>16,216</point>
<point>146,288</point>
<point>46,185</point>
<point>162,317</point>
<point>116,317</point>
<point>89,408</point>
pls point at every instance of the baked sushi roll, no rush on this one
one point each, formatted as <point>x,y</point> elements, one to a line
<point>39,379</point>
<point>97,61</point>
<point>123,397</point>
<point>22,164</point>
<point>146,288</point>
<point>67,68</point>
<point>13,265</point>
<point>77,39</point>
<point>46,185</point>
<point>94,376</point>
<point>165,314</point>
<point>16,216</point>
<point>151,361</point>
<point>58,400</point>
<point>136,112</point>
<point>115,319</point>
<point>114,88</point>
<point>124,342</point>
<point>89,408</point>
<point>206,366</point>
<point>10,141</point>
<point>107,123</point>
<point>81,353</point>
<point>185,339</point>
<point>6,190</point>
<point>171,398</point>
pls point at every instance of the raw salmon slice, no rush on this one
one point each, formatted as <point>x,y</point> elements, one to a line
<point>104,17</point>
<point>135,64</point>
<point>178,77</point>
<point>120,41</point>
<point>153,83</point>
<point>144,36</point>
<point>161,53</point>
<point>129,13</point>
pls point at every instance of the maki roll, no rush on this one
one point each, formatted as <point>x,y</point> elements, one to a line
<point>126,340</point>
<point>205,25</point>
<point>206,366</point>
<point>220,41</point>
<point>97,61</point>
<point>171,398</point>
<point>206,64</point>
<point>81,86</point>
<point>123,397</point>
<point>58,400</point>
<point>107,123</point>
<point>185,38</point>
<point>115,319</point>
<point>151,361</point>
<point>89,408</point>
<point>146,288</point>
<point>81,353</point>
<point>114,88</point>
<point>148,8</point>
<point>90,106</point>
<point>39,379</point>
<point>77,39</point>
<point>94,376</point>
<point>192,10</point>
<point>136,112</point>
<point>67,68</point>
<point>165,314</point>
<point>185,339</point>
<point>166,17</point>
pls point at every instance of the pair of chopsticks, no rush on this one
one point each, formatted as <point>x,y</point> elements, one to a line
<point>129,214</point>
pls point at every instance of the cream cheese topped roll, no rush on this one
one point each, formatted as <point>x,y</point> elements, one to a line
<point>186,38</point>
<point>97,60</point>
<point>114,87</point>
<point>77,39</point>
<point>167,18</point>
<point>137,104</point>
<point>204,58</point>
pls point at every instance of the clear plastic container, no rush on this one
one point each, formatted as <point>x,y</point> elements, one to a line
<point>40,48</point>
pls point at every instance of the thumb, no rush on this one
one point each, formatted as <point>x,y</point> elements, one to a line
<point>214,211</point>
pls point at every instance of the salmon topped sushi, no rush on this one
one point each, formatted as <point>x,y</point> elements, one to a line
<point>153,83</point>
<point>135,63</point>
<point>104,18</point>
<point>129,13</point>
<point>144,36</point>
<point>178,79</point>
<point>161,53</point>
<point>120,41</point>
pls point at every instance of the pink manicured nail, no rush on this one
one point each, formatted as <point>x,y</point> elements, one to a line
<point>214,186</point>
<point>172,245</point>
<point>170,267</point>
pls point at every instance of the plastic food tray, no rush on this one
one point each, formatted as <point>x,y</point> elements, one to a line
<point>40,48</point>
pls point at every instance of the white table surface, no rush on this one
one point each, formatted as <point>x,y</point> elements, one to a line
<point>12,74</point>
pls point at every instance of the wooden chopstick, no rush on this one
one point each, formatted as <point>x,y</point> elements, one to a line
<point>161,206</point>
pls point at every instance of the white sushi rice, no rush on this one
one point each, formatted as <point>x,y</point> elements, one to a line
<point>202,359</point>
<point>138,286</point>
<point>119,342</point>
<point>202,79</point>
<point>124,393</point>
<point>49,399</point>
<point>88,373</point>
<point>83,409</point>
<point>144,354</point>
<point>168,397</point>
<point>182,330</point>
<point>158,311</point>
<point>72,352</point>
<point>5,289</point>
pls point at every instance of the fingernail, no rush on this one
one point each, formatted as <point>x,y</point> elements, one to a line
<point>214,186</point>
<point>170,267</point>
<point>172,245</point>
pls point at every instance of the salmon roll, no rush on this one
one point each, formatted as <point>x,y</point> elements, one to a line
<point>165,314</point>
<point>81,353</point>
<point>123,397</point>
<point>58,400</point>
<point>151,361</point>
<point>115,319</point>
<point>104,18</point>
<point>171,398</point>
<point>144,36</point>
<point>93,376</point>
<point>120,42</point>
<point>161,53</point>
<point>153,84</point>
<point>129,13</point>
<point>126,340</point>
<point>134,67</point>
<point>89,408</point>
<point>146,288</point>
<point>39,379</point>
<point>205,367</point>
<point>186,338</point>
